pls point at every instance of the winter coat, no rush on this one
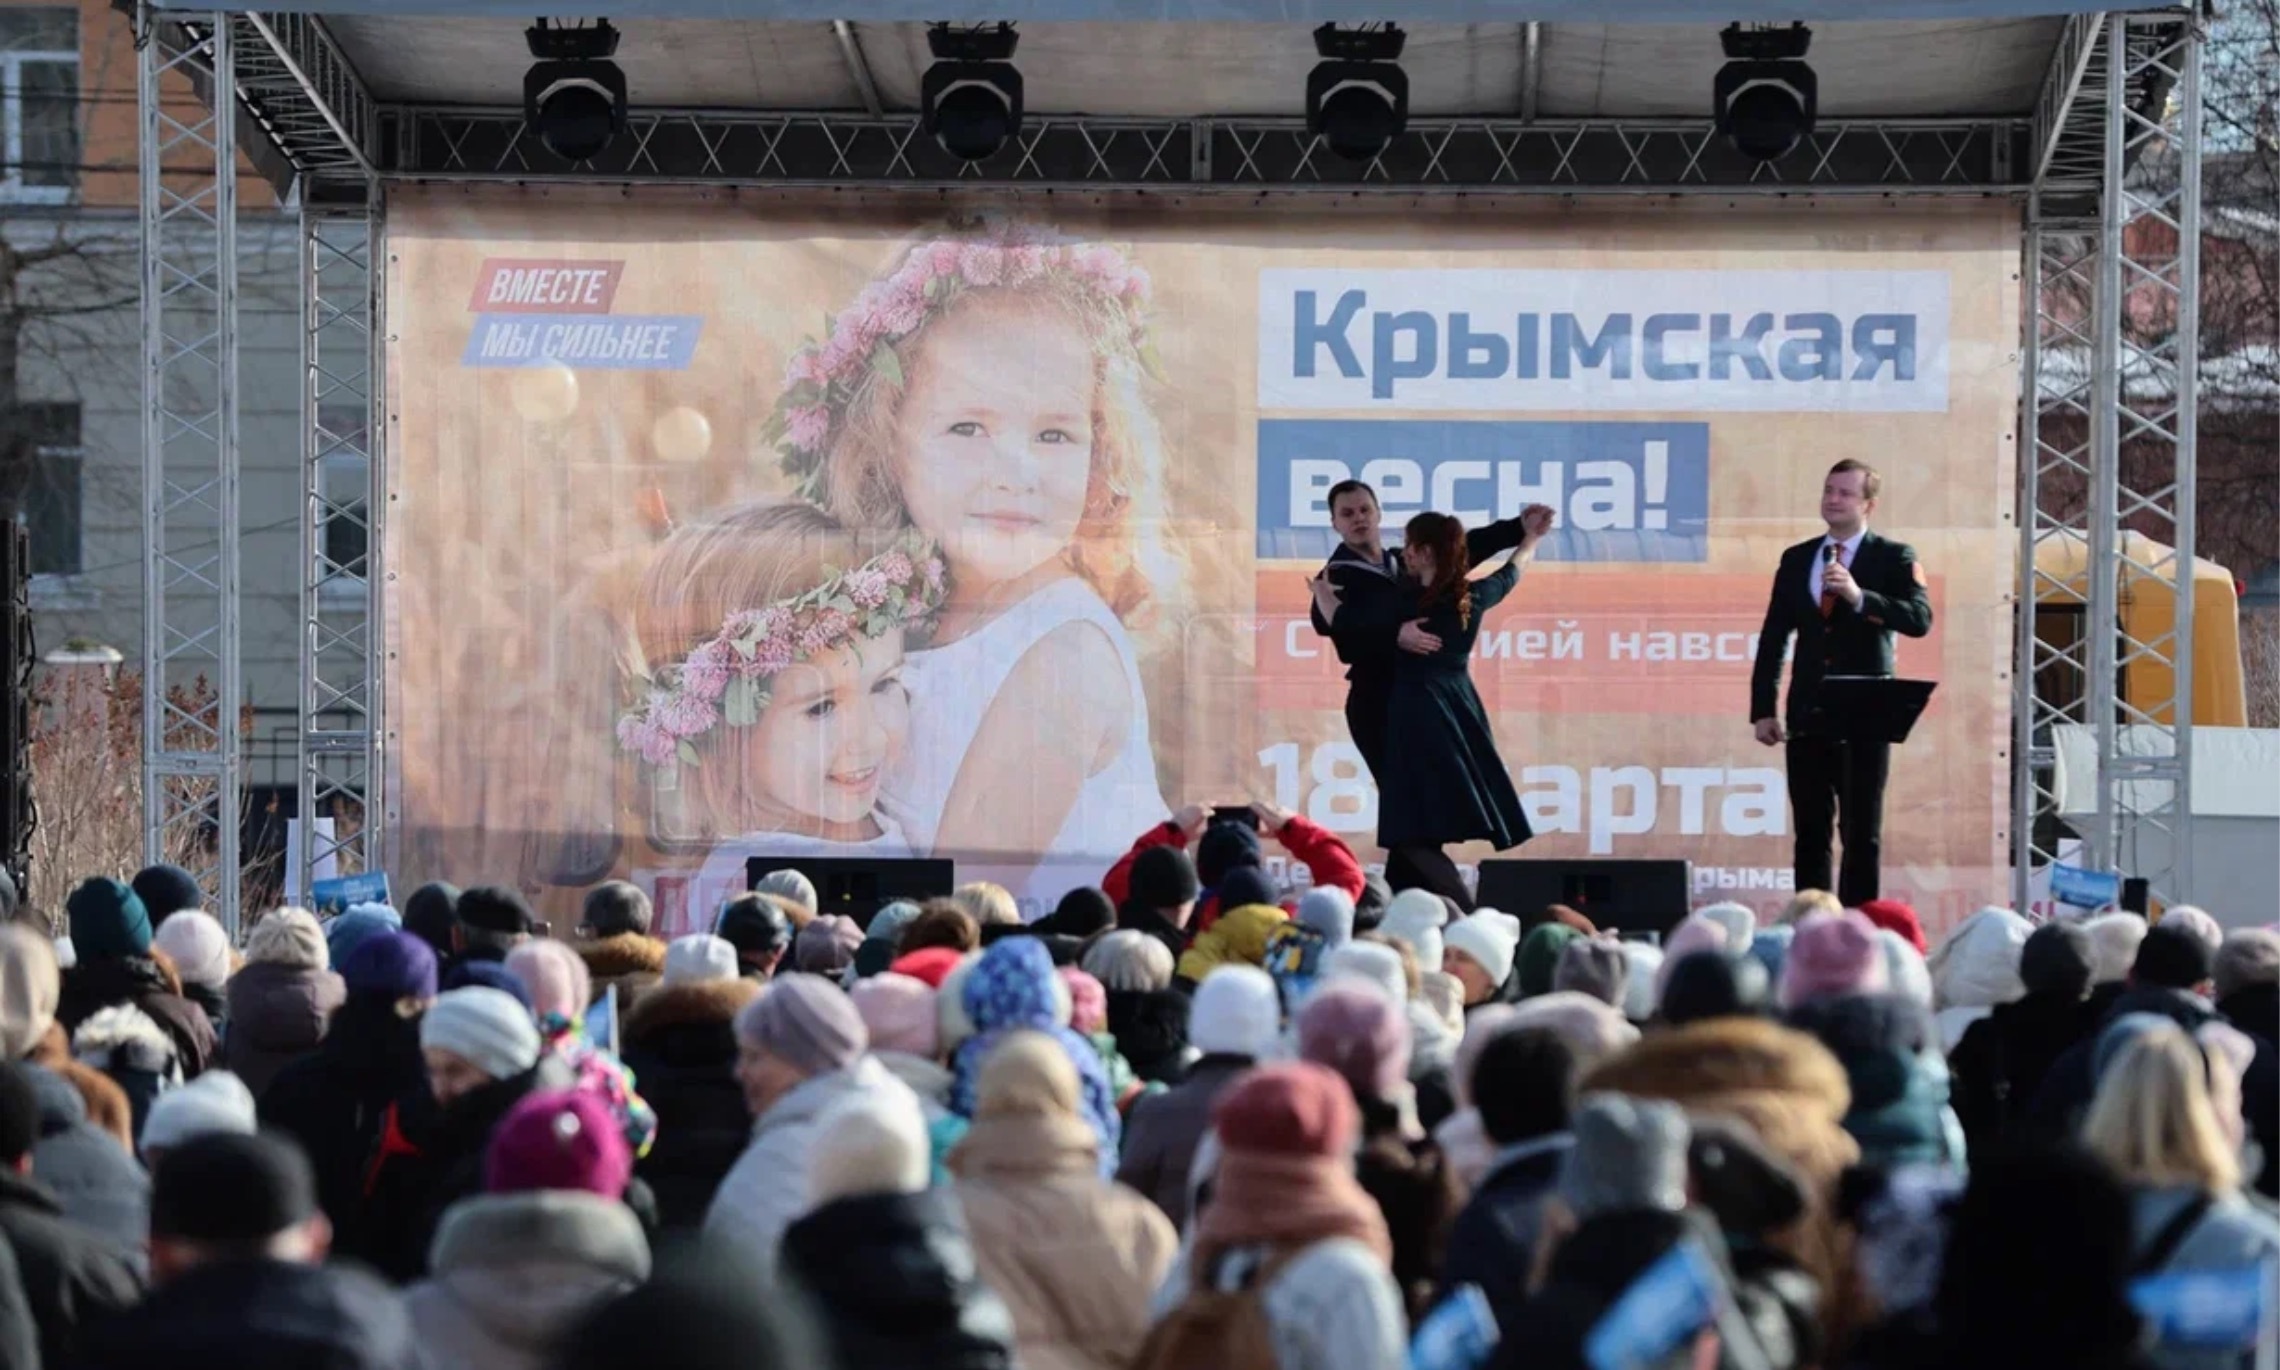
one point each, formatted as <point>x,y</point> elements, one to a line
<point>141,981</point>
<point>1174,936</point>
<point>1899,1093</point>
<point>125,1044</point>
<point>1975,968</point>
<point>411,1186</point>
<point>1417,1195</point>
<point>1161,1136</point>
<point>334,1100</point>
<point>893,1277</point>
<point>931,1083</point>
<point>680,1044</point>
<point>214,1003</point>
<point>72,1275</point>
<point>1999,1065</point>
<point>107,1106</point>
<point>1074,1257</point>
<point>767,1187</point>
<point>628,960</point>
<point>1150,1027</point>
<point>98,1183</point>
<point>2064,1099</point>
<point>277,1012</point>
<point>270,1314</point>
<point>1327,858</point>
<point>1332,1305</point>
<point>2232,1235</point>
<point>19,1330</point>
<point>1592,1268</point>
<point>2256,1011</point>
<point>512,1272</point>
<point>1493,1242</point>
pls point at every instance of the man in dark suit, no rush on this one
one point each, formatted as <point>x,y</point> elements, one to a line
<point>1843,595</point>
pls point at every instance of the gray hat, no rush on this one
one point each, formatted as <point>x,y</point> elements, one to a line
<point>808,1022</point>
<point>1597,967</point>
<point>488,1027</point>
<point>1629,1154</point>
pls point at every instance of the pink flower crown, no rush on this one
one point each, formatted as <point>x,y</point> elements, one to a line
<point>824,378</point>
<point>726,677</point>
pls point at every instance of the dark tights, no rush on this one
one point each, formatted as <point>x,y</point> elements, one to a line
<point>1423,866</point>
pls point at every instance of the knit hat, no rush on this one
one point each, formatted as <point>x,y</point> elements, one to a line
<point>108,922</point>
<point>1904,971</point>
<point>1629,1155</point>
<point>484,1027</point>
<point>555,976</point>
<point>166,891</point>
<point>698,957</point>
<point>1355,1031</point>
<point>1770,948</point>
<point>899,1014</point>
<point>488,975</point>
<point>1592,1030</point>
<point>228,1187</point>
<point>350,930</point>
<point>289,937</point>
<point>1082,912</point>
<point>496,908</point>
<point>1706,984</point>
<point>395,964</point>
<point>1416,917</point>
<point>1491,939</point>
<point>1644,961</point>
<point>895,915</point>
<point>2248,957</point>
<point>951,1025</point>
<point>790,884</point>
<point>1977,964</point>
<point>1290,1108</point>
<point>1163,878</point>
<point>1374,962</point>
<point>930,966</point>
<point>1738,920</point>
<point>1694,933</point>
<point>1832,955</point>
<point>1244,886</point>
<point>874,1142</point>
<point>807,1022</point>
<point>1088,1001</point>
<point>1370,907</point>
<point>2114,939</point>
<point>1597,966</point>
<point>826,946</point>
<point>1225,847</point>
<point>432,913</point>
<point>2195,920</point>
<point>1540,954</point>
<point>1235,1013</point>
<point>755,924</point>
<point>30,986</point>
<point>1329,911</point>
<point>2172,957</point>
<point>216,1101</point>
<point>558,1139</point>
<point>1895,916</point>
<point>2058,959</point>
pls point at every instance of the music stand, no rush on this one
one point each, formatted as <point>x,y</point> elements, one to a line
<point>1869,708</point>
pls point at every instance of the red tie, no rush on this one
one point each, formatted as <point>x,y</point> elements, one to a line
<point>1829,596</point>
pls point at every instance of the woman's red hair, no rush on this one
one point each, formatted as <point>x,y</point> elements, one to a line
<point>1444,537</point>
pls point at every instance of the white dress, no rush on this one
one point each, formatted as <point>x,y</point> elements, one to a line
<point>952,688</point>
<point>722,876</point>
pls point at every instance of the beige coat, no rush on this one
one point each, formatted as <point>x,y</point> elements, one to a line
<point>1076,1258</point>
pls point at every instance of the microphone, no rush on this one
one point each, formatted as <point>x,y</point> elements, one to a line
<point>1829,552</point>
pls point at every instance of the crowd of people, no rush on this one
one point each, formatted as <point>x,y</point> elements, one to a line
<point>1189,1119</point>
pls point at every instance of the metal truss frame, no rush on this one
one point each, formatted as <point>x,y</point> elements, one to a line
<point>2107,447</point>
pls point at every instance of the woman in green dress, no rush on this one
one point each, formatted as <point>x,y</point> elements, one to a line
<point>1443,780</point>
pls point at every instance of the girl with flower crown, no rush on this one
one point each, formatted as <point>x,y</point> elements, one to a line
<point>773,700</point>
<point>987,392</point>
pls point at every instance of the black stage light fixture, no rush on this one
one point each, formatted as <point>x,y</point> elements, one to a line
<point>573,95</point>
<point>1766,96</point>
<point>970,98</point>
<point>1357,96</point>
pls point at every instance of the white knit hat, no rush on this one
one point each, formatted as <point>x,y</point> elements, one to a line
<point>487,1027</point>
<point>1416,917</point>
<point>216,1101</point>
<point>198,947</point>
<point>1235,1013</point>
<point>872,1142</point>
<point>1490,938</point>
<point>698,957</point>
<point>1372,961</point>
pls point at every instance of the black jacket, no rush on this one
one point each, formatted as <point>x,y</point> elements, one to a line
<point>1150,1027</point>
<point>92,986</point>
<point>2256,1011</point>
<point>1999,1064</point>
<point>1848,642</point>
<point>1364,641</point>
<point>2072,1082</point>
<point>893,1277</point>
<point>1493,1243</point>
<point>259,1313</point>
<point>680,1044</point>
<point>72,1276</point>
<point>19,1332</point>
<point>1174,937</point>
<point>332,1102</point>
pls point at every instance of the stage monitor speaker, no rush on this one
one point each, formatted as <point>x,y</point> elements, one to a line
<point>1634,896</point>
<point>2137,895</point>
<point>857,886</point>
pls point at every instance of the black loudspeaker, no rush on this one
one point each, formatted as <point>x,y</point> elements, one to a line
<point>17,656</point>
<point>2137,895</point>
<point>1635,896</point>
<point>857,887</point>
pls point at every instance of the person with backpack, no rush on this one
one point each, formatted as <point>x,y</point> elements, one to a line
<point>1290,1266</point>
<point>2000,1061</point>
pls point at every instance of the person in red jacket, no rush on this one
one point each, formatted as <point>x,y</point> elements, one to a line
<point>1224,849</point>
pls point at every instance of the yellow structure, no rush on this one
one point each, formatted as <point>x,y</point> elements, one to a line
<point>2149,613</point>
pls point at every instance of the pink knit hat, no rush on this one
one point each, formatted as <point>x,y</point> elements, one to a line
<point>900,1012</point>
<point>1832,956</point>
<point>1694,933</point>
<point>556,977</point>
<point>1358,1032</point>
<point>558,1139</point>
<point>1088,1001</point>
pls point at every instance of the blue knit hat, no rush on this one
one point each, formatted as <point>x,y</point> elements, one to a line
<point>395,964</point>
<point>1224,847</point>
<point>167,890</point>
<point>345,933</point>
<point>107,922</point>
<point>489,975</point>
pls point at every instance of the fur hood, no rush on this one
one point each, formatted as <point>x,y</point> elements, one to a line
<point>626,953</point>
<point>702,1004</point>
<point>123,1037</point>
<point>1727,1056</point>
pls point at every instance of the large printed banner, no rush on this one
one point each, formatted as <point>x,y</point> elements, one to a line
<point>722,528</point>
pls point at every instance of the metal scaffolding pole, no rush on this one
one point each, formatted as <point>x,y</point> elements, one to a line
<point>192,693</point>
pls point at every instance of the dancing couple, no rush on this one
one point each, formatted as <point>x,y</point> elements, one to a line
<point>1404,624</point>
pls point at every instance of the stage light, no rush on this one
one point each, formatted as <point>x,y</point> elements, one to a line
<point>970,98</point>
<point>1766,96</point>
<point>1357,96</point>
<point>573,95</point>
